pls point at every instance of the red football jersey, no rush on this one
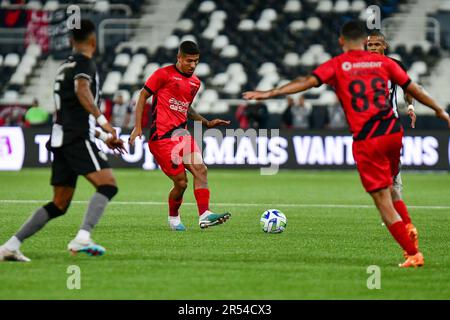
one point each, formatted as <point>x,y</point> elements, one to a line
<point>173,93</point>
<point>360,80</point>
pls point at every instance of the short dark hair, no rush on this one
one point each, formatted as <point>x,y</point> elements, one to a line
<point>189,47</point>
<point>87,27</point>
<point>377,33</point>
<point>353,30</point>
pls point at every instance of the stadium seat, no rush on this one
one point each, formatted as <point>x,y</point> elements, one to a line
<point>11,60</point>
<point>358,5</point>
<point>185,25</point>
<point>297,25</point>
<point>292,6</point>
<point>10,96</point>
<point>232,88</point>
<point>419,67</point>
<point>325,6</point>
<point>220,42</point>
<point>122,60</point>
<point>220,79</point>
<point>246,25</point>
<point>172,42</point>
<point>230,51</point>
<point>51,5</point>
<point>313,23</point>
<point>101,6</point>
<point>149,69</point>
<point>263,25</point>
<point>291,59</point>
<point>342,6</point>
<point>203,70</point>
<point>207,6</point>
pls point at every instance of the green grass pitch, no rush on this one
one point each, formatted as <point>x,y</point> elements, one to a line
<point>333,235</point>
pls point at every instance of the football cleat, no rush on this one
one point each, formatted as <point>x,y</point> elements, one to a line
<point>413,235</point>
<point>413,261</point>
<point>8,255</point>
<point>90,248</point>
<point>178,227</point>
<point>213,219</point>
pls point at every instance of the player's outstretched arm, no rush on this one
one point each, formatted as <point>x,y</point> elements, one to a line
<point>84,95</point>
<point>420,95</point>
<point>298,85</point>
<point>137,131</point>
<point>194,115</point>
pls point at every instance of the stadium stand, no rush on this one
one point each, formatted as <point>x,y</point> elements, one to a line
<point>245,44</point>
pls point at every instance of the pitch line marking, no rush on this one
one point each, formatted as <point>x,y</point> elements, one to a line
<point>293,205</point>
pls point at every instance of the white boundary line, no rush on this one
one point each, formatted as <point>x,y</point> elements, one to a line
<point>266,205</point>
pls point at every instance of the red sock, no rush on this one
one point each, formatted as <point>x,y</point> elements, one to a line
<point>400,207</point>
<point>174,205</point>
<point>202,198</point>
<point>400,234</point>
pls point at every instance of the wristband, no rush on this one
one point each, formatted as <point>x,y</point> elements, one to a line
<point>101,120</point>
<point>410,108</point>
<point>104,136</point>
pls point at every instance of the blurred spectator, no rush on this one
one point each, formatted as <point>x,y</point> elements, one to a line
<point>300,114</point>
<point>336,117</point>
<point>286,117</point>
<point>36,115</point>
<point>258,115</point>
<point>121,112</point>
<point>12,115</point>
<point>241,116</point>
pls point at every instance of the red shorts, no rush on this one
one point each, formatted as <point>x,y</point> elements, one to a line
<point>169,153</point>
<point>378,160</point>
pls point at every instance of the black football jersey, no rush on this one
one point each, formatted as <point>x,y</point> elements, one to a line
<point>393,90</point>
<point>71,121</point>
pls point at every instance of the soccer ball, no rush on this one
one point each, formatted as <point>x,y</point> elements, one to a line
<point>273,221</point>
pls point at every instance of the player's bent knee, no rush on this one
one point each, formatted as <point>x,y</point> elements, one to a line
<point>53,211</point>
<point>108,191</point>
<point>182,184</point>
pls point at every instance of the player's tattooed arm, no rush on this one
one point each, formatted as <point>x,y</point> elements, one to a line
<point>137,131</point>
<point>298,85</point>
<point>194,115</point>
<point>84,95</point>
<point>420,95</point>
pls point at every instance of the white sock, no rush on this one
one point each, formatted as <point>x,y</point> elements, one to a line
<point>205,214</point>
<point>13,244</point>
<point>83,236</point>
<point>174,221</point>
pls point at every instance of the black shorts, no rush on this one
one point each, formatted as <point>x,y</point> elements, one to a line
<point>79,158</point>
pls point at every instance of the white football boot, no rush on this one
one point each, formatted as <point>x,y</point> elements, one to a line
<point>8,255</point>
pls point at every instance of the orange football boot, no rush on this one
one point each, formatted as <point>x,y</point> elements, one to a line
<point>413,235</point>
<point>413,261</point>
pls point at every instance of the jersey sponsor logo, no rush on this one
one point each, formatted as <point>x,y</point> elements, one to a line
<point>347,66</point>
<point>177,105</point>
<point>177,78</point>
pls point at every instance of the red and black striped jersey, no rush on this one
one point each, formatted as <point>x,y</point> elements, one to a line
<point>173,93</point>
<point>360,80</point>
